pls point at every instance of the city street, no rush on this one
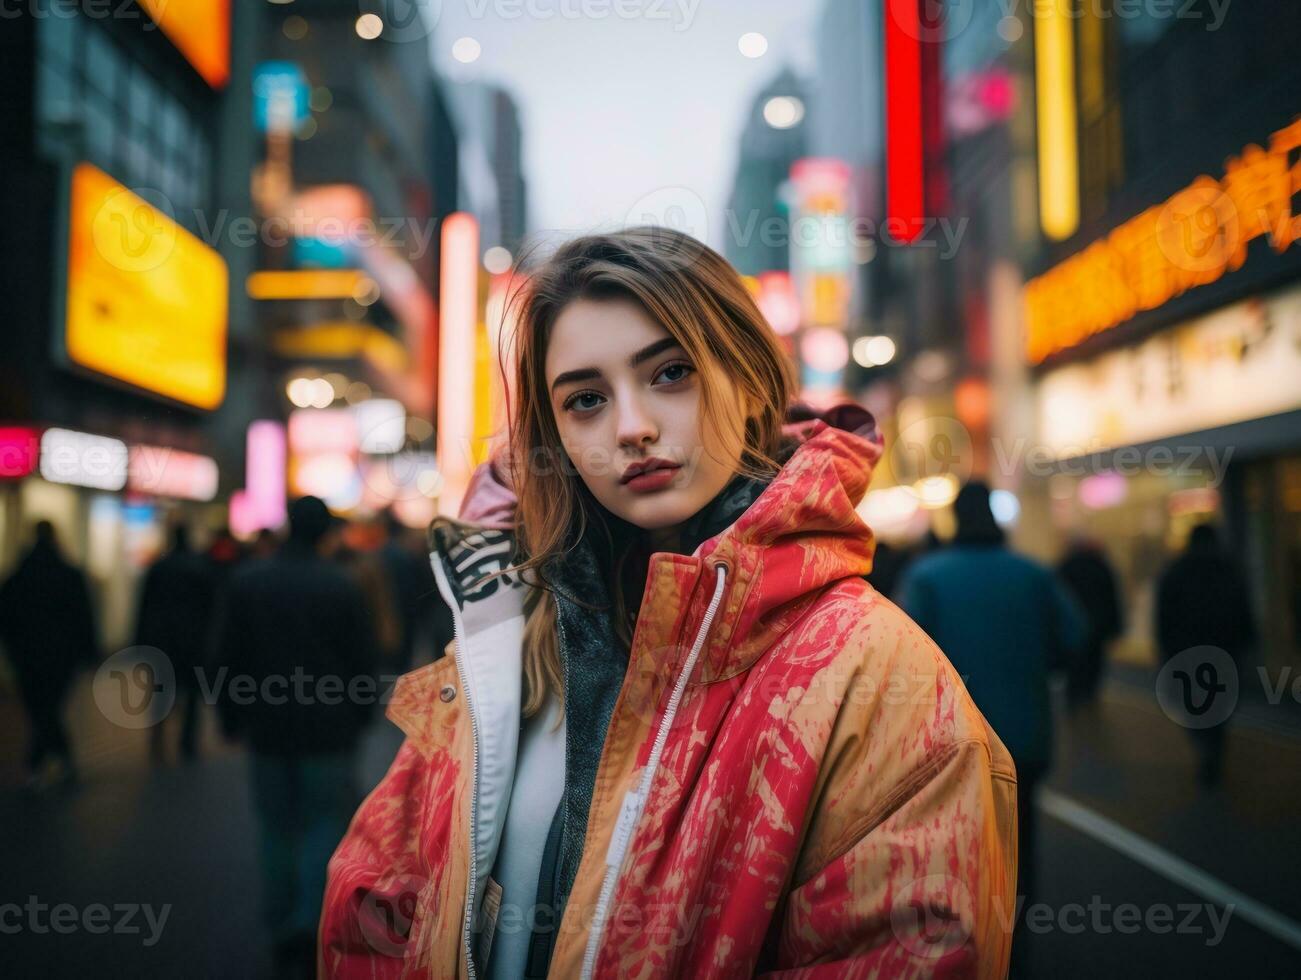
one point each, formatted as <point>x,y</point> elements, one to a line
<point>183,839</point>
<point>558,334</point>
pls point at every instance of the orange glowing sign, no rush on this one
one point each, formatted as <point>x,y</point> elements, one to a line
<point>146,300</point>
<point>308,284</point>
<point>200,29</point>
<point>1193,239</point>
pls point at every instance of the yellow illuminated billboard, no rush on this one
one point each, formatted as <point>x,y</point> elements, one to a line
<point>200,29</point>
<point>1194,238</point>
<point>146,300</point>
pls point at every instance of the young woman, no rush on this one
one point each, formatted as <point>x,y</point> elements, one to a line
<point>677,733</point>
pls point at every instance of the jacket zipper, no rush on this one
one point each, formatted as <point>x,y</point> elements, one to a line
<point>634,801</point>
<point>440,573</point>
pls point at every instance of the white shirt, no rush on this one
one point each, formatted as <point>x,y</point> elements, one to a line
<point>539,783</point>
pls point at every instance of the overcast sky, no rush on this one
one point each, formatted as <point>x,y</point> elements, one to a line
<point>626,115</point>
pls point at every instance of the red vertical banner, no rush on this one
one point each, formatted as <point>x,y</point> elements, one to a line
<point>935,174</point>
<point>904,148</point>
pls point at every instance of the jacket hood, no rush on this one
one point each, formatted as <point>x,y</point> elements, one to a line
<point>800,536</point>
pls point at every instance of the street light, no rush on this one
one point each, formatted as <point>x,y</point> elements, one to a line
<point>783,111</point>
<point>497,260</point>
<point>466,50</point>
<point>874,351</point>
<point>752,44</point>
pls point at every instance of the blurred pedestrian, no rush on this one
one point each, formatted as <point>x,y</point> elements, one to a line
<point>224,554</point>
<point>1005,622</point>
<point>1202,600</point>
<point>423,614</point>
<point>888,564</point>
<point>368,571</point>
<point>175,616</point>
<point>265,544</point>
<point>1088,574</point>
<point>297,625</point>
<point>48,627</point>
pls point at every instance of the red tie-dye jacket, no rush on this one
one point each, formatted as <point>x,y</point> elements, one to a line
<point>827,801</point>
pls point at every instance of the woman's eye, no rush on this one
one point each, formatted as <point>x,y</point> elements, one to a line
<point>572,401</point>
<point>677,371</point>
<point>681,366</point>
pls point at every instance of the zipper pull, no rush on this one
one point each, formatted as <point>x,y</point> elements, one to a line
<point>629,812</point>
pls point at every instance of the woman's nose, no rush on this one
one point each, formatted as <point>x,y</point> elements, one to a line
<point>636,426</point>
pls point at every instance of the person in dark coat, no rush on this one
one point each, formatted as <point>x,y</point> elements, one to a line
<point>298,650</point>
<point>1086,571</point>
<point>416,595</point>
<point>175,616</point>
<point>1005,623</point>
<point>48,628</point>
<point>888,564</point>
<point>1202,600</point>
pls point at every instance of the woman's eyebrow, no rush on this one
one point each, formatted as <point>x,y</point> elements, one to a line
<point>645,354</point>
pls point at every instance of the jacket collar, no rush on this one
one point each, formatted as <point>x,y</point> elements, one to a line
<point>802,534</point>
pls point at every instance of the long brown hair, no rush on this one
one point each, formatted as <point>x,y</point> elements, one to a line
<point>701,300</point>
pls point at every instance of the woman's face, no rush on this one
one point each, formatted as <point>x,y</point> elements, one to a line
<point>624,393</point>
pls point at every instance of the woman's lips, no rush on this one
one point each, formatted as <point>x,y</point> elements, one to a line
<point>655,479</point>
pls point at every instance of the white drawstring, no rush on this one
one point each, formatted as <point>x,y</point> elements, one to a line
<point>631,809</point>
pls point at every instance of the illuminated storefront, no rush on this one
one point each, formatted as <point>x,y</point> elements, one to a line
<point>1149,420</point>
